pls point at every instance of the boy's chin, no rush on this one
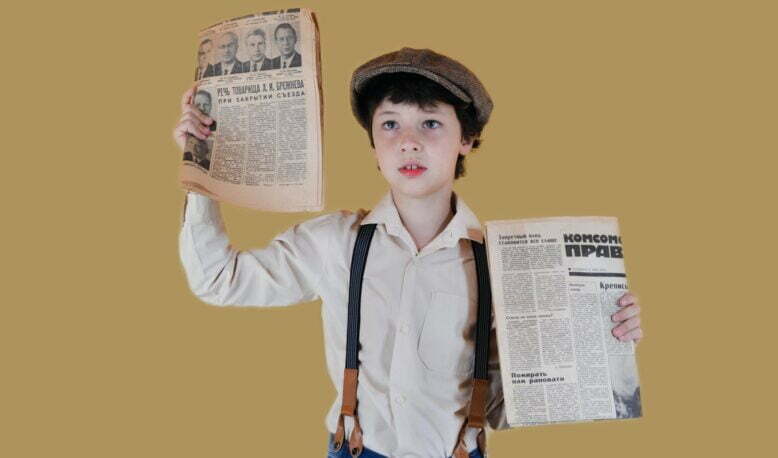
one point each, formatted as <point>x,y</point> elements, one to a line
<point>417,190</point>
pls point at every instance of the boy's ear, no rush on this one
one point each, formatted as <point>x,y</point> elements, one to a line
<point>466,146</point>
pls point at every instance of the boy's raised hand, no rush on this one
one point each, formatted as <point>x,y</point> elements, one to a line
<point>192,120</point>
<point>628,318</point>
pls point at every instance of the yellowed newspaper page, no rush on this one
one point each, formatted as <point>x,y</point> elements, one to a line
<point>259,78</point>
<point>555,283</point>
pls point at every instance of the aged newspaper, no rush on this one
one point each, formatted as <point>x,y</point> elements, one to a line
<point>555,282</point>
<point>260,80</point>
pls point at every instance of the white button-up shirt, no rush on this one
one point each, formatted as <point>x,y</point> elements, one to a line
<point>417,318</point>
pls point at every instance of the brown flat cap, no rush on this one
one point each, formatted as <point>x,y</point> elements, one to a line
<point>441,69</point>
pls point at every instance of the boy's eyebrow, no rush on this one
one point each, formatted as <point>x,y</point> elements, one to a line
<point>432,109</point>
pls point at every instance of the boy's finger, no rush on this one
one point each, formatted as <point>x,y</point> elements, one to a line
<point>204,118</point>
<point>193,128</point>
<point>187,97</point>
<point>627,299</point>
<point>634,334</point>
<point>194,115</point>
<point>180,134</point>
<point>626,312</point>
<point>628,325</point>
<point>191,122</point>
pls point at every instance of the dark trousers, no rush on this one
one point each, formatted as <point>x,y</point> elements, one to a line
<point>367,453</point>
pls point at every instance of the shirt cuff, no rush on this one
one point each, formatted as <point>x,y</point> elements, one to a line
<point>199,208</point>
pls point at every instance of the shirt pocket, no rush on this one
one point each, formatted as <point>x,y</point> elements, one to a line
<point>446,338</point>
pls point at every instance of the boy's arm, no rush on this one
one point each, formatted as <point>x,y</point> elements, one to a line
<point>285,272</point>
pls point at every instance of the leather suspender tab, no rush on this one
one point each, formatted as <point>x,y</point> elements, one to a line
<point>349,406</point>
<point>477,416</point>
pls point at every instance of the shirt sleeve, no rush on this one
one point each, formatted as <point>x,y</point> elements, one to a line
<point>285,272</point>
<point>495,408</point>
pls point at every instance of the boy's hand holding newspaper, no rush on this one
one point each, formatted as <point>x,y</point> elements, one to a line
<point>192,121</point>
<point>628,318</point>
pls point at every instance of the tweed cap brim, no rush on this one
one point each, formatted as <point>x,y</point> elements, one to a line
<point>447,72</point>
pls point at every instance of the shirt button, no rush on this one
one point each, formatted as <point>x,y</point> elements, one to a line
<point>404,328</point>
<point>400,399</point>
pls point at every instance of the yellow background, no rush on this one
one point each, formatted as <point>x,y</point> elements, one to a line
<point>662,113</point>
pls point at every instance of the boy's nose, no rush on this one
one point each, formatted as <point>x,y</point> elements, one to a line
<point>409,143</point>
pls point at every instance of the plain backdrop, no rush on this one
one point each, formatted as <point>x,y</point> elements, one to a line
<point>661,113</point>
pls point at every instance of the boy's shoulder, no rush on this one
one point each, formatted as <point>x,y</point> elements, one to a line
<point>331,235</point>
<point>337,223</point>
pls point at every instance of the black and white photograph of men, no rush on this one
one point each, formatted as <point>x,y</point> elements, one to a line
<point>227,49</point>
<point>204,59</point>
<point>286,38</point>
<point>256,42</point>
<point>199,152</point>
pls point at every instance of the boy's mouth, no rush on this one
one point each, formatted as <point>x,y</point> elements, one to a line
<point>412,169</point>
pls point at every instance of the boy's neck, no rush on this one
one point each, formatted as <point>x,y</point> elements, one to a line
<point>426,217</point>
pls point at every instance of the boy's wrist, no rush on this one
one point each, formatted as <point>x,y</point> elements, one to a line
<point>200,208</point>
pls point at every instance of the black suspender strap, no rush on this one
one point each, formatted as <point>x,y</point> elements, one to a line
<point>477,410</point>
<point>351,372</point>
<point>358,261</point>
<point>484,320</point>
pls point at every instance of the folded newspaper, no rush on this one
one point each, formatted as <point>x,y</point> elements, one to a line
<point>260,80</point>
<point>555,283</point>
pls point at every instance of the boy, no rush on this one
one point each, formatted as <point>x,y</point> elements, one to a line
<point>423,113</point>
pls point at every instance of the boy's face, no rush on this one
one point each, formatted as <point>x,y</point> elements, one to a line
<point>417,148</point>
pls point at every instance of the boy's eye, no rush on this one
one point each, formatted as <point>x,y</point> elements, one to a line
<point>431,123</point>
<point>389,124</point>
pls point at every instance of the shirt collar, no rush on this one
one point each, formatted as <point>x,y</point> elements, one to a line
<point>464,224</point>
